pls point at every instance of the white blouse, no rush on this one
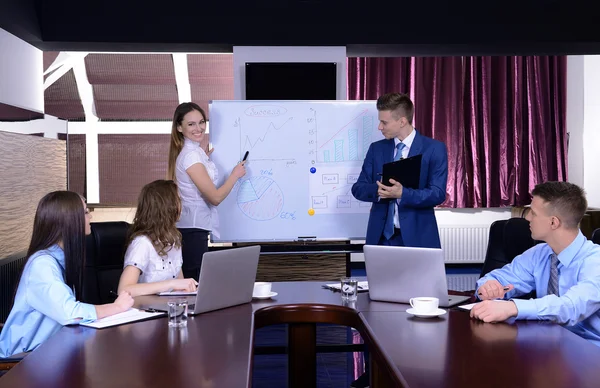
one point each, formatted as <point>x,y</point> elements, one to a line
<point>196,212</point>
<point>155,268</point>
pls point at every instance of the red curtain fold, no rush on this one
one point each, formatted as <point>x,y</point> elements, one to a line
<point>502,119</point>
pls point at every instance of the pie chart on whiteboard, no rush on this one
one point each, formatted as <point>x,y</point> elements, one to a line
<point>260,198</point>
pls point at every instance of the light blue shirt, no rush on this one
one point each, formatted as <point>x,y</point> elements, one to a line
<point>407,144</point>
<point>578,306</point>
<point>43,304</point>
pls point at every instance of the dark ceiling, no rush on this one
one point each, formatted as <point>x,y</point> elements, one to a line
<point>376,27</point>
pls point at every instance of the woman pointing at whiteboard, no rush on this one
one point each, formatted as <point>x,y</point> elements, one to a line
<point>196,176</point>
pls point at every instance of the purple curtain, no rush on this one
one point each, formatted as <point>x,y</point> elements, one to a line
<point>502,119</point>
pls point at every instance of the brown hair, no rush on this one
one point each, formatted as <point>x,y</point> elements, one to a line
<point>60,217</point>
<point>177,138</point>
<point>158,210</point>
<point>564,199</point>
<point>399,104</point>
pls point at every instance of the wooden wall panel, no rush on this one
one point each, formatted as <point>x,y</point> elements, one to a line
<point>30,167</point>
<point>286,267</point>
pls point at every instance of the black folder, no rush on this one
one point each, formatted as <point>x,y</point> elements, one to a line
<point>406,171</point>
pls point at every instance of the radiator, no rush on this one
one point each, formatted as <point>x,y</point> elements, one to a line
<point>464,243</point>
<point>462,282</point>
<point>10,270</point>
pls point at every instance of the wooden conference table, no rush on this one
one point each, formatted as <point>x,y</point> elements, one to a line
<point>216,349</point>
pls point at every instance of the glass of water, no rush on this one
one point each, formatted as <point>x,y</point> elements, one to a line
<point>349,288</point>
<point>178,311</point>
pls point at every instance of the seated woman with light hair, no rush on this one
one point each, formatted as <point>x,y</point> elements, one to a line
<point>153,258</point>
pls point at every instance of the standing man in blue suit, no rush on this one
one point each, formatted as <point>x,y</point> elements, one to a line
<point>401,216</point>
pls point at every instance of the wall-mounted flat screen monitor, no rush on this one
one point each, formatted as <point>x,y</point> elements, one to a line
<point>291,81</point>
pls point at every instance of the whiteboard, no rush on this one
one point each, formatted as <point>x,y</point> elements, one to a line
<point>304,157</point>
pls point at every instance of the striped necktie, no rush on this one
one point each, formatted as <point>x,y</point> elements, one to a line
<point>553,281</point>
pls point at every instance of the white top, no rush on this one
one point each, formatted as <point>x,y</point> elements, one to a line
<point>196,212</point>
<point>407,143</point>
<point>155,268</point>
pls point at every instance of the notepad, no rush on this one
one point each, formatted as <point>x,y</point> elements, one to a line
<point>131,315</point>
<point>177,293</point>
<point>362,286</point>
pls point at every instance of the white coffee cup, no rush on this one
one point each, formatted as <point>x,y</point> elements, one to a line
<point>424,304</point>
<point>261,289</point>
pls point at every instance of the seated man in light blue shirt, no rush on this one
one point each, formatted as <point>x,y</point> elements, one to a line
<point>564,272</point>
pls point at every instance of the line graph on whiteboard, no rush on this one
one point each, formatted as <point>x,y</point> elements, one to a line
<point>261,139</point>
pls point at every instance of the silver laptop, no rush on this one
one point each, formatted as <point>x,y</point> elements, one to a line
<point>396,274</point>
<point>226,279</point>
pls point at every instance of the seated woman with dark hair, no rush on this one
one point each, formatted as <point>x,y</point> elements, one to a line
<point>153,257</point>
<point>46,298</point>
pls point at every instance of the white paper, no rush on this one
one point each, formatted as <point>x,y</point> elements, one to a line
<point>176,293</point>
<point>470,305</point>
<point>130,315</point>
<point>467,306</point>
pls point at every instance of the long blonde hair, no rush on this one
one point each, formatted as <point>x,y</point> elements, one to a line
<point>177,138</point>
<point>158,210</point>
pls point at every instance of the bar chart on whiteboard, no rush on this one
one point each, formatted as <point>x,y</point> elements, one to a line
<point>337,148</point>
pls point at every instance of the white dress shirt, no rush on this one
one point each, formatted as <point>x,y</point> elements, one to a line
<point>196,212</point>
<point>142,254</point>
<point>407,143</point>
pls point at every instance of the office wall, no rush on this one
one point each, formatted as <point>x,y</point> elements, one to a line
<point>591,128</point>
<point>243,54</point>
<point>583,123</point>
<point>21,73</point>
<point>446,217</point>
<point>575,85</point>
<point>30,167</point>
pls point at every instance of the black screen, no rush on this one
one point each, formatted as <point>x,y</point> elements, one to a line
<point>290,81</point>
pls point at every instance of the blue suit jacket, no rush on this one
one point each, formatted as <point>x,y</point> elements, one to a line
<point>415,208</point>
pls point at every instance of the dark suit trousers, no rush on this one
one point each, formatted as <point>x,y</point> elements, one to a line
<point>395,240</point>
<point>194,243</point>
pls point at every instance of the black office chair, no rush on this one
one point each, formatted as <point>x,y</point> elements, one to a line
<point>7,364</point>
<point>508,239</point>
<point>596,236</point>
<point>105,255</point>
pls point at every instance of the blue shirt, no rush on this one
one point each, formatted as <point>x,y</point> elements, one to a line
<point>578,306</point>
<point>43,304</point>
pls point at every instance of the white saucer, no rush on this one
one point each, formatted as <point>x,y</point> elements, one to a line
<point>432,314</point>
<point>270,295</point>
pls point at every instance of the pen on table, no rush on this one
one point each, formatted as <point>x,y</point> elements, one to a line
<point>148,310</point>
<point>505,289</point>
